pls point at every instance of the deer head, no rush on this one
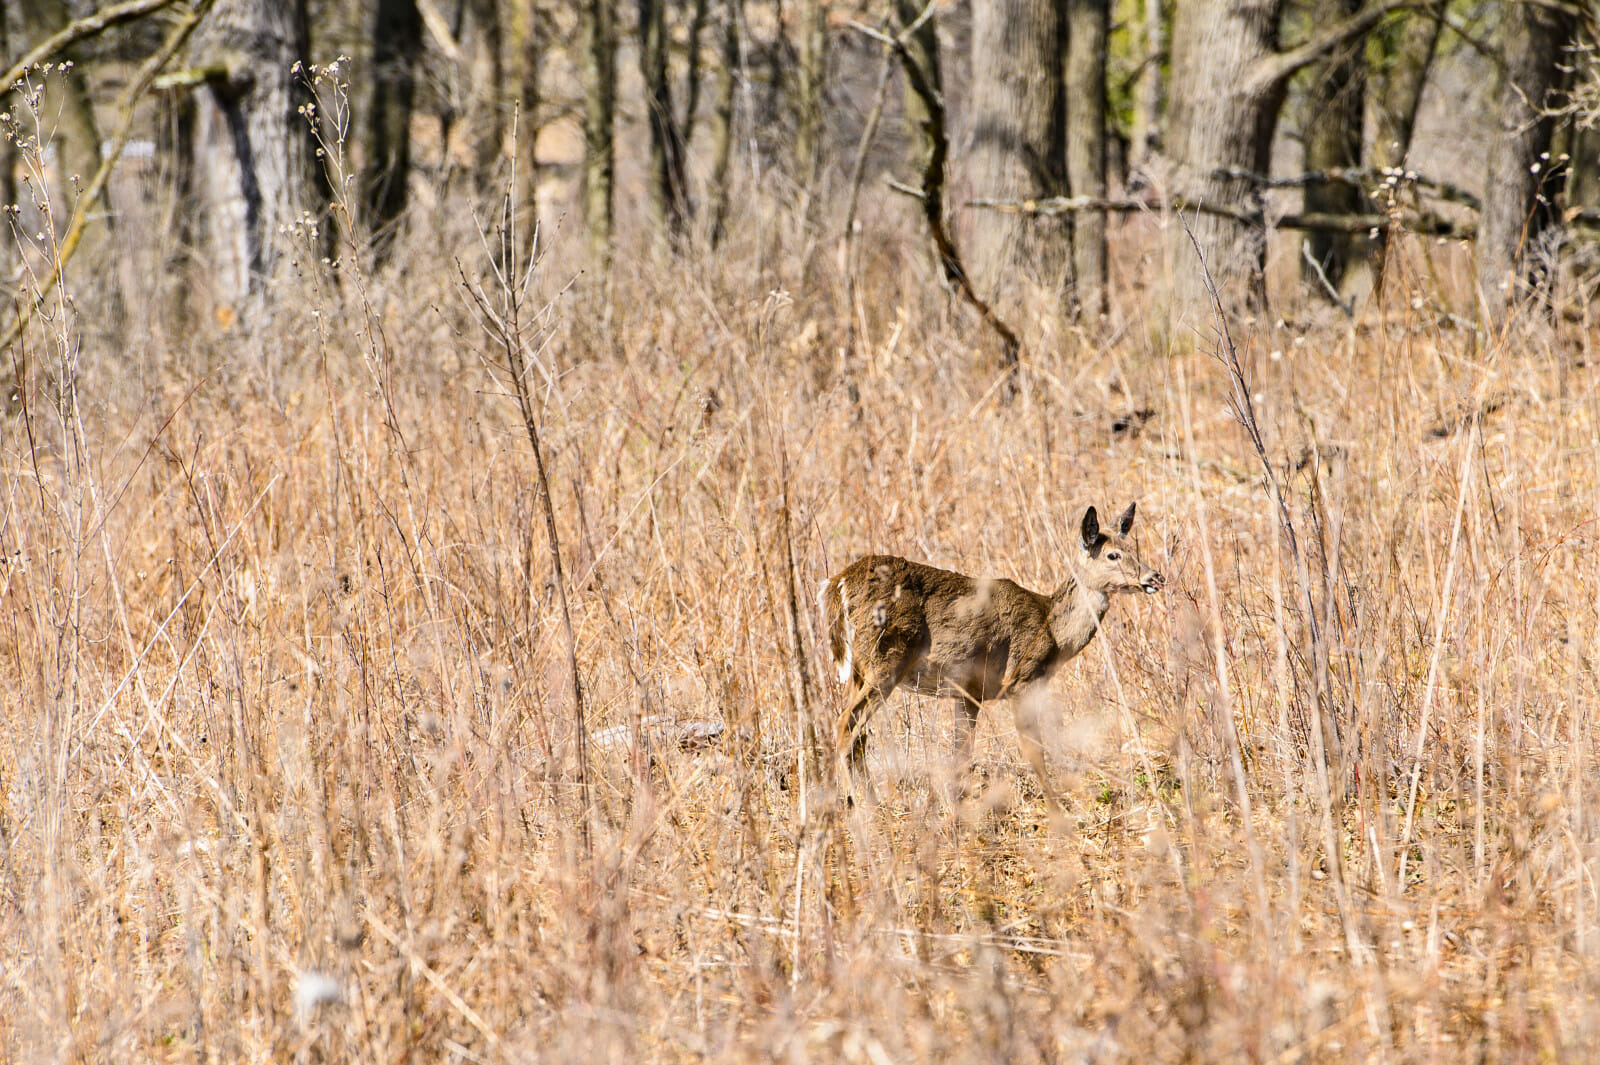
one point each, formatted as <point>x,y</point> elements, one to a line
<point>1108,562</point>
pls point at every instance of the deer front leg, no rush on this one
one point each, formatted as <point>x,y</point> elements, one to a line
<point>850,733</point>
<point>1025,710</point>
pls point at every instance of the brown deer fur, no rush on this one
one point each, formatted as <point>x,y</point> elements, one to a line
<point>892,624</point>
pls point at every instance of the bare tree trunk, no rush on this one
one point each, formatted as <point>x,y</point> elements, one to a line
<point>1228,79</point>
<point>1583,179</point>
<point>256,167</point>
<point>1087,25</point>
<point>525,65</point>
<point>396,47</point>
<point>1147,89</point>
<point>923,44</point>
<point>9,157</point>
<point>1017,151</point>
<point>812,75</point>
<point>489,90</point>
<point>1334,112</point>
<point>1519,191</point>
<point>1398,87</point>
<point>1221,119</point>
<point>666,149</point>
<point>722,119</point>
<point>691,76</point>
<point>599,118</point>
<point>1396,92</point>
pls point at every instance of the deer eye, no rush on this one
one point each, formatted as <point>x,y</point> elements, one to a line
<point>1112,556</point>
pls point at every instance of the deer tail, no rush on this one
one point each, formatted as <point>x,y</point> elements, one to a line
<point>834,605</point>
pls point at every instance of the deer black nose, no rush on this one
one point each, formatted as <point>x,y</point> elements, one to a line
<point>1154,582</point>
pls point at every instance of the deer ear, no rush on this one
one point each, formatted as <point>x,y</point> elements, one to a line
<point>1125,523</point>
<point>1090,529</point>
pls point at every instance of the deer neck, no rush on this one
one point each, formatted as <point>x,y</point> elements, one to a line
<point>1075,614</point>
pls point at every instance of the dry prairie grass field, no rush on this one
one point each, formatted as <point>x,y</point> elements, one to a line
<point>290,761</point>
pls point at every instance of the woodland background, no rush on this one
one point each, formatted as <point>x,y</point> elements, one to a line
<point>426,422</point>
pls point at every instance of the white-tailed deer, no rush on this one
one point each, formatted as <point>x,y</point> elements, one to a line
<point>898,624</point>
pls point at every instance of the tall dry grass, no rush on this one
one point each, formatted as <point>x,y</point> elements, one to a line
<point>289,762</point>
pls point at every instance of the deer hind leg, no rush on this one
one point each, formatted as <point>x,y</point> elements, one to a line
<point>966,725</point>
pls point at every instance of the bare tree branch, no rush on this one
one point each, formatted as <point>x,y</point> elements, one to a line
<point>932,193</point>
<point>141,84</point>
<point>1428,225</point>
<point>1282,65</point>
<point>77,30</point>
<point>1360,177</point>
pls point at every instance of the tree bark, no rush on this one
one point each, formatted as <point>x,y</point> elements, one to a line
<point>923,44</point>
<point>1016,146</point>
<point>667,197</point>
<point>1334,112</point>
<point>257,173</point>
<point>396,47</point>
<point>1518,195</point>
<point>1583,177</point>
<point>1147,90</point>
<point>1220,118</point>
<point>1228,80</point>
<point>489,91</point>
<point>691,75</point>
<point>8,145</point>
<point>599,60</point>
<point>526,59</point>
<point>722,120</point>
<point>1087,25</point>
<point>812,77</point>
<point>1396,92</point>
<point>1398,87</point>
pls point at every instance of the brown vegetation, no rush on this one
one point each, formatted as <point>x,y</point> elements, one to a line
<point>289,767</point>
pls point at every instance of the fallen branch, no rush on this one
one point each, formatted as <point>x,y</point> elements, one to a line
<point>1427,225</point>
<point>1359,177</point>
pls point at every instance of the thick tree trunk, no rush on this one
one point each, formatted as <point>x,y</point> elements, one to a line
<point>1583,177</point>
<point>256,169</point>
<point>1519,191</point>
<point>8,146</point>
<point>722,120</point>
<point>1087,25</point>
<point>691,75</point>
<point>667,196</point>
<point>923,45</point>
<point>812,78</point>
<point>525,65</point>
<point>1396,92</point>
<point>1398,88</point>
<point>599,65</point>
<point>1016,146</point>
<point>1334,112</point>
<point>489,92</point>
<point>396,46</point>
<point>1147,89</point>
<point>1221,116</point>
